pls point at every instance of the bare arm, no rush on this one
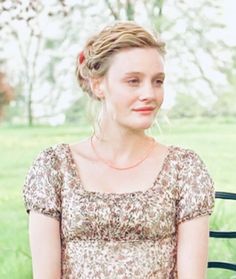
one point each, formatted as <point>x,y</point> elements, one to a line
<point>192,253</point>
<point>45,244</point>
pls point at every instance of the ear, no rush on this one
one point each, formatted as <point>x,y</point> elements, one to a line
<point>97,87</point>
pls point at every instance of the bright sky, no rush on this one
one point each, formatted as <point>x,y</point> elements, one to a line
<point>229,9</point>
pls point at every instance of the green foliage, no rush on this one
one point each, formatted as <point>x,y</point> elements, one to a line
<point>83,112</point>
<point>77,113</point>
<point>186,105</point>
<point>225,105</point>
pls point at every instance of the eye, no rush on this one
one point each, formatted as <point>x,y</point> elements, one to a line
<point>159,81</point>
<point>133,81</point>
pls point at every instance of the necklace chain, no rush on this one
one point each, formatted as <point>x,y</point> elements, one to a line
<point>123,168</point>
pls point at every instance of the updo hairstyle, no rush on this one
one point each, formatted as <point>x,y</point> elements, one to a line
<point>96,57</point>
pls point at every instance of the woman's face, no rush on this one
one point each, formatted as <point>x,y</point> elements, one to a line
<point>134,80</point>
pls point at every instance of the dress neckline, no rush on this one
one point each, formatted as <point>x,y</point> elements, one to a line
<point>76,172</point>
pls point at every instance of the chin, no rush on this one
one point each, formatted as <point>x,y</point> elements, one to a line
<point>139,124</point>
<point>142,126</point>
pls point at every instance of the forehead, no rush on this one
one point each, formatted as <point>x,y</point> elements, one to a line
<point>137,60</point>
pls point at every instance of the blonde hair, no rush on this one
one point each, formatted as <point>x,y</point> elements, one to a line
<point>100,49</point>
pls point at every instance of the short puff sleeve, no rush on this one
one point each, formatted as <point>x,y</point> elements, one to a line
<point>42,186</point>
<point>196,192</point>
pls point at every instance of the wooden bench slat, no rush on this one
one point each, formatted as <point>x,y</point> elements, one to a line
<point>225,195</point>
<point>218,234</point>
<point>222,265</point>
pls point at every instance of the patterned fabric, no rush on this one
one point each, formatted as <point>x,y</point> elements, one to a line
<point>119,235</point>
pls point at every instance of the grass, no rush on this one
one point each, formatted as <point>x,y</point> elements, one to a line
<point>212,139</point>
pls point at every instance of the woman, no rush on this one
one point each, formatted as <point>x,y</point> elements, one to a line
<point>120,204</point>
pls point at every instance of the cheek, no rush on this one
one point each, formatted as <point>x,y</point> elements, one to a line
<point>116,105</point>
<point>160,97</point>
<point>121,101</point>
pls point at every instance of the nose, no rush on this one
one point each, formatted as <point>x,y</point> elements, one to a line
<point>147,92</point>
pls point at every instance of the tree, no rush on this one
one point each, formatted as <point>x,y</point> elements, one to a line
<point>21,26</point>
<point>6,93</point>
<point>47,62</point>
<point>186,105</point>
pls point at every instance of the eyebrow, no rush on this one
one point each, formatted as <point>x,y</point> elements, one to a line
<point>142,74</point>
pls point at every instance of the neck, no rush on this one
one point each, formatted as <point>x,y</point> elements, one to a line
<point>121,146</point>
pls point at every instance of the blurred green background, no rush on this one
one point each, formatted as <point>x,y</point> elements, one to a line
<point>41,103</point>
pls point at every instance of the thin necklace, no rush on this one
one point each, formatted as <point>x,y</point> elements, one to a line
<point>124,168</point>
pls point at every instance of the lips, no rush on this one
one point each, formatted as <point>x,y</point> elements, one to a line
<point>144,109</point>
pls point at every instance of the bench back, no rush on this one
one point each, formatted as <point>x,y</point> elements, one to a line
<point>223,234</point>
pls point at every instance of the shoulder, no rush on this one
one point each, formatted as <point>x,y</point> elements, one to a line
<point>50,156</point>
<point>187,159</point>
<point>42,184</point>
<point>191,167</point>
<point>183,153</point>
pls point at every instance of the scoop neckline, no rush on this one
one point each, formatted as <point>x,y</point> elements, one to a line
<point>115,194</point>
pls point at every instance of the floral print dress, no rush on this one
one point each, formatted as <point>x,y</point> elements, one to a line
<point>119,235</point>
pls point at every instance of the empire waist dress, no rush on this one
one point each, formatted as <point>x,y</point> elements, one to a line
<point>130,235</point>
